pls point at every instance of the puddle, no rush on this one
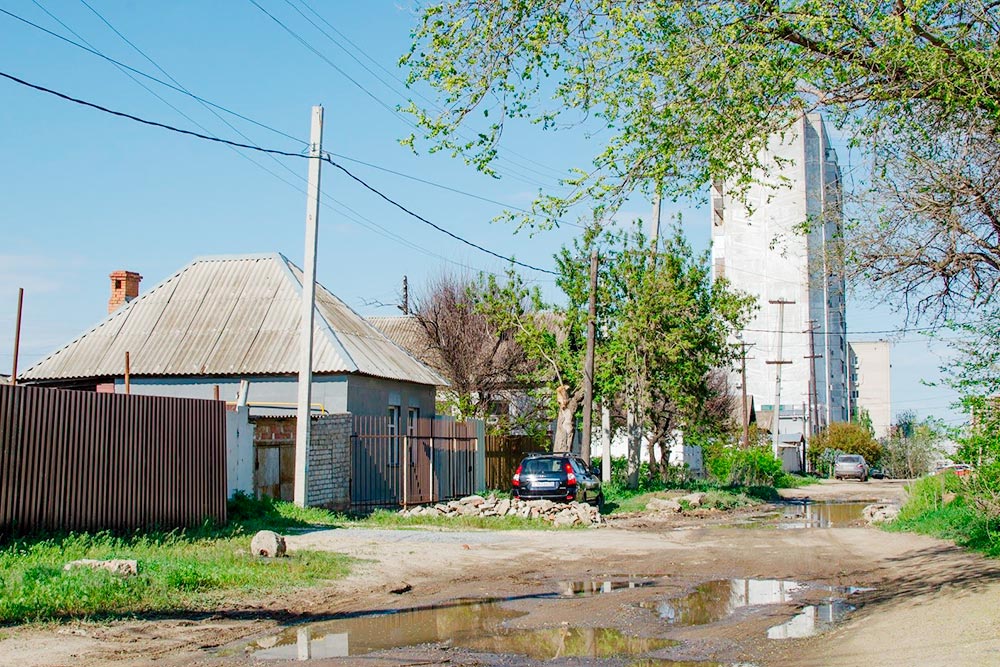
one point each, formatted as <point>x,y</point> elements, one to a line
<point>715,600</point>
<point>596,586</point>
<point>801,515</point>
<point>478,626</point>
<point>812,620</point>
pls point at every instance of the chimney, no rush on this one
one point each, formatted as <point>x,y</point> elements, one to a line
<point>124,288</point>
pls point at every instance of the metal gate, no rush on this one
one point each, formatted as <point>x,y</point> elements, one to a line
<point>422,461</point>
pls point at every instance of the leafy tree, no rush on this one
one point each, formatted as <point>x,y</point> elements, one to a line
<point>912,447</point>
<point>844,438</point>
<point>686,93</point>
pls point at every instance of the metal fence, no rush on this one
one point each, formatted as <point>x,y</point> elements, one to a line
<point>77,460</point>
<point>404,463</point>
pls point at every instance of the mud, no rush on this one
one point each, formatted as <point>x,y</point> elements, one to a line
<point>866,597</point>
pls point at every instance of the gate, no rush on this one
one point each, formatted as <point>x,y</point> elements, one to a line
<point>504,453</point>
<point>422,461</point>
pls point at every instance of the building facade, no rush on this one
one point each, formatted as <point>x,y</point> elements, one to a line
<point>777,241</point>
<point>871,383</point>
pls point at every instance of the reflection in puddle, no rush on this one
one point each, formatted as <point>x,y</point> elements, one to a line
<point>811,620</point>
<point>820,515</point>
<point>477,626</point>
<point>715,600</point>
<point>594,586</point>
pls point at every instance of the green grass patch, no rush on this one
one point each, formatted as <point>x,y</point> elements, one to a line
<point>940,506</point>
<point>178,571</point>
<point>392,519</point>
<point>620,499</point>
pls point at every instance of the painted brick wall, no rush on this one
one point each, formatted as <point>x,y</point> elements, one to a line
<point>330,462</point>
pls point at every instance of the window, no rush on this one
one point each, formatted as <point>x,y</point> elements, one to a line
<point>412,416</point>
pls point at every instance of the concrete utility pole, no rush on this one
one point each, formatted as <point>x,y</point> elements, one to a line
<point>303,426</point>
<point>605,443</point>
<point>405,306</point>
<point>17,334</point>
<point>588,363</point>
<point>779,362</point>
<point>813,394</point>
<point>746,408</point>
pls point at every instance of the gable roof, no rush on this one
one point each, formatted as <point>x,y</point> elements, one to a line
<point>230,315</point>
<point>407,332</point>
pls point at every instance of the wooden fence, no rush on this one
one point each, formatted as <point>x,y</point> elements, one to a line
<point>504,453</point>
<point>77,460</point>
<point>394,462</point>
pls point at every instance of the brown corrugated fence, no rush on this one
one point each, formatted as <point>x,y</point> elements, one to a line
<point>77,460</point>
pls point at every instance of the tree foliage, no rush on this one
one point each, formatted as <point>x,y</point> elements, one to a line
<point>687,92</point>
<point>844,438</point>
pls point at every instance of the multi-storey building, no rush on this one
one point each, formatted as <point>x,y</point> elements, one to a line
<point>777,240</point>
<point>871,383</point>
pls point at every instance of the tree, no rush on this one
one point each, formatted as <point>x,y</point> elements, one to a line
<point>912,447</point>
<point>482,363</point>
<point>687,93</point>
<point>671,330</point>
<point>844,438</point>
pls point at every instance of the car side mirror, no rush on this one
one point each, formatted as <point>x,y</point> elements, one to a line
<point>595,470</point>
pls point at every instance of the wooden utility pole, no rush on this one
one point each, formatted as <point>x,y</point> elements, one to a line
<point>588,363</point>
<point>813,394</point>
<point>303,426</point>
<point>17,334</point>
<point>778,362</point>
<point>405,306</point>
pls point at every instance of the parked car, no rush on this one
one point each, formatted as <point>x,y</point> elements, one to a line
<point>557,477</point>
<point>960,469</point>
<point>850,465</point>
<point>877,473</point>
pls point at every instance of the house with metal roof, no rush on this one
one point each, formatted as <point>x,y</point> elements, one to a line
<point>226,319</point>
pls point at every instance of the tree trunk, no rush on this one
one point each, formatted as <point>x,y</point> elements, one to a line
<point>651,441</point>
<point>634,447</point>
<point>565,420</point>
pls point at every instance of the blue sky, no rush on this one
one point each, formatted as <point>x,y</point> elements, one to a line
<point>83,193</point>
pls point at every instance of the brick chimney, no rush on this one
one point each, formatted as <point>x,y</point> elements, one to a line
<point>124,288</point>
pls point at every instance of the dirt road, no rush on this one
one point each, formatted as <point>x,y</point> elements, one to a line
<point>706,589</point>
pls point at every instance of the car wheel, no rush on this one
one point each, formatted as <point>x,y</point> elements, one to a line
<point>600,501</point>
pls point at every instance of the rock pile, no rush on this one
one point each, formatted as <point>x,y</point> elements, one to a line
<point>560,514</point>
<point>678,504</point>
<point>880,512</point>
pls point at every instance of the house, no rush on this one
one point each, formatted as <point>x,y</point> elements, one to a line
<point>225,319</point>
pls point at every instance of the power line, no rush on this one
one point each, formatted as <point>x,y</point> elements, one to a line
<point>272,151</point>
<point>150,77</point>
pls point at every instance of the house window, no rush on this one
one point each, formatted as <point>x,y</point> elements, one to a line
<point>412,416</point>
<point>392,431</point>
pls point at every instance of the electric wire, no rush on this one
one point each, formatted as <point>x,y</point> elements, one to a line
<point>273,151</point>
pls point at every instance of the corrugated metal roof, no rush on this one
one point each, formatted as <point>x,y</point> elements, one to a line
<point>236,315</point>
<point>406,332</point>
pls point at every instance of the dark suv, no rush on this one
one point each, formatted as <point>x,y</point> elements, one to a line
<point>558,477</point>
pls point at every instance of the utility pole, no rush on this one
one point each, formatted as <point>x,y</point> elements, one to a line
<point>654,225</point>
<point>605,442</point>
<point>813,394</point>
<point>405,306</point>
<point>588,363</point>
<point>302,415</point>
<point>778,362</point>
<point>746,408</point>
<point>17,334</point>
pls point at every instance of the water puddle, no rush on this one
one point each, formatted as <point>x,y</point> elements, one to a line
<point>477,626</point>
<point>812,620</point>
<point>597,586</point>
<point>715,600</point>
<point>801,515</point>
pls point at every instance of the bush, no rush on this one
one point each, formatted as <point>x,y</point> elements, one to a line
<point>751,467</point>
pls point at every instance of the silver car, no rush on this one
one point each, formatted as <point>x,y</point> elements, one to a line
<point>851,465</point>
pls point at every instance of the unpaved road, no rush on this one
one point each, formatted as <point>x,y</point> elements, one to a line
<point>930,603</point>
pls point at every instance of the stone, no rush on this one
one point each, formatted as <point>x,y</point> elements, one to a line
<point>693,499</point>
<point>473,500</point>
<point>663,505</point>
<point>583,512</point>
<point>880,512</point>
<point>565,519</point>
<point>119,566</point>
<point>502,506</point>
<point>399,588</point>
<point>268,544</point>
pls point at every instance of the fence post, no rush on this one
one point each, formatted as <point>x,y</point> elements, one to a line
<point>431,479</point>
<point>404,466</point>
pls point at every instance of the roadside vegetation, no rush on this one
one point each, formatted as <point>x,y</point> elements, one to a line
<point>190,570</point>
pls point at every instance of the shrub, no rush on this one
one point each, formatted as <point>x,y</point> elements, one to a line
<point>751,467</point>
<point>844,438</point>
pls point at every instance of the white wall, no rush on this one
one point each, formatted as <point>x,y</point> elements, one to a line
<point>239,452</point>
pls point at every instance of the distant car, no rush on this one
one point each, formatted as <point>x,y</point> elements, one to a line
<point>877,473</point>
<point>850,465</point>
<point>960,469</point>
<point>557,477</point>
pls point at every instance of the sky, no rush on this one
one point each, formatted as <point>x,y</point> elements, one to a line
<point>84,193</point>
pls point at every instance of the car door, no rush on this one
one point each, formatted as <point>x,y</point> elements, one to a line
<point>584,480</point>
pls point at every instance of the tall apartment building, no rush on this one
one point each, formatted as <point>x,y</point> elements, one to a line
<point>871,383</point>
<point>775,242</point>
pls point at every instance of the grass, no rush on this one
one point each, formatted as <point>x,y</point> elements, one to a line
<point>391,519</point>
<point>620,499</point>
<point>958,520</point>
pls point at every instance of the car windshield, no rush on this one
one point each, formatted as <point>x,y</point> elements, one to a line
<point>541,466</point>
<point>848,459</point>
